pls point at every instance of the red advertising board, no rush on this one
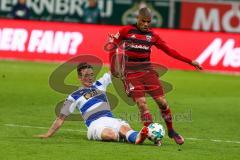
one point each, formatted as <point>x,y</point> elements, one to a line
<point>209,16</point>
<point>51,41</point>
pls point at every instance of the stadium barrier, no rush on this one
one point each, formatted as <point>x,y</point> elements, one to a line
<point>214,16</point>
<point>201,15</point>
<point>55,41</point>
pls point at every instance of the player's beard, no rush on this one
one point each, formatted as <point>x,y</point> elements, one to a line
<point>144,29</point>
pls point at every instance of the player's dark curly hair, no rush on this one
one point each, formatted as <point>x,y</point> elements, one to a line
<point>81,66</point>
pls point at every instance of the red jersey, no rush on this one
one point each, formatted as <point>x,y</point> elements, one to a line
<point>137,45</point>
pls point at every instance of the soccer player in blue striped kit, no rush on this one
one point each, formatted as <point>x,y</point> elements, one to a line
<point>93,105</point>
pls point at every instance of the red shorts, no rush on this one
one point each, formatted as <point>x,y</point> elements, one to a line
<point>139,83</point>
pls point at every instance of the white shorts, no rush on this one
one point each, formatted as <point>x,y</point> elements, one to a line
<point>96,127</point>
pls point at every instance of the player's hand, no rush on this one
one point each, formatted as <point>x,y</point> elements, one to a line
<point>196,65</point>
<point>110,37</point>
<point>42,136</point>
<point>110,46</point>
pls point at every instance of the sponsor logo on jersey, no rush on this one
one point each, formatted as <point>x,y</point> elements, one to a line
<point>148,37</point>
<point>133,36</point>
<point>91,94</point>
<point>136,46</point>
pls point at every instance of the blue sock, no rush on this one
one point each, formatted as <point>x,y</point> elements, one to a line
<point>131,136</point>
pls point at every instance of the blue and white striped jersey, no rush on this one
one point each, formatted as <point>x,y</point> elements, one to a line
<point>91,102</point>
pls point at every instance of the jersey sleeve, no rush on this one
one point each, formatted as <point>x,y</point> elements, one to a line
<point>120,35</point>
<point>117,40</point>
<point>68,106</point>
<point>160,44</point>
<point>104,81</point>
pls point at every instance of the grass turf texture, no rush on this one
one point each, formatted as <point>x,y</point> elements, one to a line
<point>210,103</point>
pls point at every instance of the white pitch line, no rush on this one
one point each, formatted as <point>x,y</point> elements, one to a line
<point>213,140</point>
<point>77,130</point>
<point>37,127</point>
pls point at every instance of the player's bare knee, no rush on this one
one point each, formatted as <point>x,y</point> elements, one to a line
<point>141,102</point>
<point>109,135</point>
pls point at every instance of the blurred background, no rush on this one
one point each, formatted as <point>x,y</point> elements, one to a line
<point>205,15</point>
<point>57,30</point>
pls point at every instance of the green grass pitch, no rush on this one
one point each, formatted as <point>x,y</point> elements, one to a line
<point>206,108</point>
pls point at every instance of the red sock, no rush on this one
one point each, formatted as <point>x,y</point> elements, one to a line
<point>146,118</point>
<point>167,116</point>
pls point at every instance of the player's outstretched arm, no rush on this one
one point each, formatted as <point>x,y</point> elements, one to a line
<point>111,47</point>
<point>160,44</point>
<point>67,108</point>
<point>54,128</point>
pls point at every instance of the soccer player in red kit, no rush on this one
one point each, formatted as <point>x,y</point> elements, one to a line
<point>139,76</point>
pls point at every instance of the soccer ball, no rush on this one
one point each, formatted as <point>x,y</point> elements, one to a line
<point>156,132</point>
